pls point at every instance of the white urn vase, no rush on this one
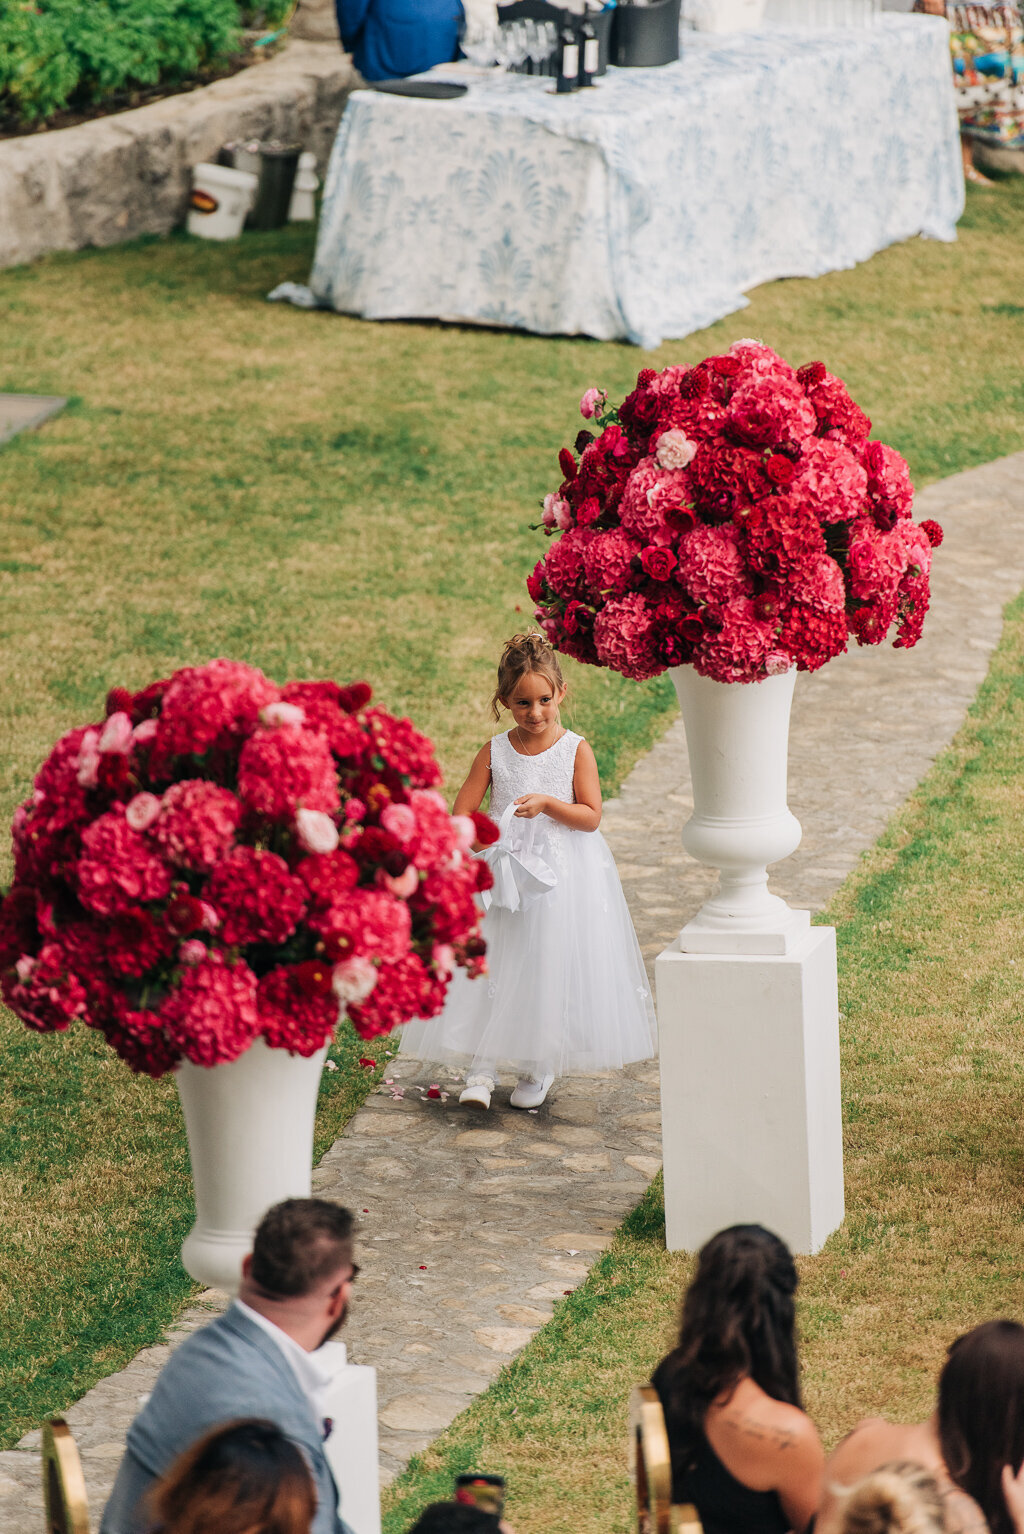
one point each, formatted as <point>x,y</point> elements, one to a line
<point>250,1136</point>
<point>737,735</point>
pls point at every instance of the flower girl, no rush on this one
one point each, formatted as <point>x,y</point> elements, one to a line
<point>565,989</point>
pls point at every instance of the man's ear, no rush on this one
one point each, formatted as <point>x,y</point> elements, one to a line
<point>247,1265</point>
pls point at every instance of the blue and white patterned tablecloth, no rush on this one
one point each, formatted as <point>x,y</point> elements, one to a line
<point>644,208</point>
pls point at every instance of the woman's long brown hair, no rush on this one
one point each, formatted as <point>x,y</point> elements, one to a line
<point>244,1477</point>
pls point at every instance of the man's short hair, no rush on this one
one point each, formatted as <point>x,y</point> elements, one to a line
<point>298,1244</point>
<point>455,1518</point>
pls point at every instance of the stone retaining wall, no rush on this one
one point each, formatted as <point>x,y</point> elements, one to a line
<point>118,177</point>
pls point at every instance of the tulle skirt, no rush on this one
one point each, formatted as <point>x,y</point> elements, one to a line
<point>565,990</point>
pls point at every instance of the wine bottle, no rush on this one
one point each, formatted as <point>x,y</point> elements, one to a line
<point>590,50</point>
<point>568,62</point>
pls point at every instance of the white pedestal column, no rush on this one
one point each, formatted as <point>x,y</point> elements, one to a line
<point>351,1447</point>
<point>750,1103</point>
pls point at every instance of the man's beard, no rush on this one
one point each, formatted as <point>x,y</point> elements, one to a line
<point>335,1326</point>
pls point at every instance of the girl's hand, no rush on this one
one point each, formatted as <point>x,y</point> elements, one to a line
<point>530,805</point>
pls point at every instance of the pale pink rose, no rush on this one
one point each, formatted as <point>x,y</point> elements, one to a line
<point>89,759</point>
<point>405,884</point>
<point>353,979</point>
<point>355,809</point>
<point>674,449</point>
<point>443,957</point>
<point>777,663</point>
<point>142,811</point>
<point>563,515</point>
<point>399,820</point>
<point>282,713</point>
<point>145,731</point>
<point>591,402</point>
<point>117,735</point>
<point>192,951</point>
<point>25,965</point>
<point>465,832</point>
<point>316,830</point>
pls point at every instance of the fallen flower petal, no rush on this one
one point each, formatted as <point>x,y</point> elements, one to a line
<point>371,1065</point>
<point>434,1092</point>
<point>331,1065</point>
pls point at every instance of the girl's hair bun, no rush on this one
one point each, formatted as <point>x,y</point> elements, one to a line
<point>523,654</point>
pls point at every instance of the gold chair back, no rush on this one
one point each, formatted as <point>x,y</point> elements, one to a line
<point>67,1510</point>
<point>650,1464</point>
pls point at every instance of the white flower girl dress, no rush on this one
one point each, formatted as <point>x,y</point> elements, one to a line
<point>565,989</point>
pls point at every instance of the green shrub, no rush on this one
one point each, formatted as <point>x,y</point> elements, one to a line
<point>78,53</point>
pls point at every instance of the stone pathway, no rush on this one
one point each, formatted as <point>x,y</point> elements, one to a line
<point>474,1223</point>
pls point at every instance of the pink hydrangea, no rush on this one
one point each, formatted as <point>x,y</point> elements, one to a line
<point>781,535</point>
<point>435,837</point>
<point>711,564</point>
<point>134,942</point>
<point>739,650</point>
<point>211,1015</point>
<point>649,495</point>
<point>818,584</point>
<point>563,562</point>
<point>365,921</point>
<point>405,989</point>
<point>256,897</point>
<point>44,992</point>
<point>917,545</point>
<point>210,705</point>
<point>770,411</point>
<point>875,561</point>
<point>836,412</point>
<point>450,898</point>
<point>197,823</point>
<point>287,769</point>
<point>321,704</point>
<point>117,870</point>
<point>888,483</point>
<point>328,878</point>
<point>831,480</point>
<point>293,1018</point>
<point>140,1040</point>
<point>625,637</point>
<point>608,562</point>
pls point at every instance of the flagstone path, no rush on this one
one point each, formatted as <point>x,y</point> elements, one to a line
<point>473,1223</point>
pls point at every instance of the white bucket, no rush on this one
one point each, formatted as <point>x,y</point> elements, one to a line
<point>221,197</point>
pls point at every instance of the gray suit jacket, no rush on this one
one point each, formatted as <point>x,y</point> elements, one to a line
<point>230,1368</point>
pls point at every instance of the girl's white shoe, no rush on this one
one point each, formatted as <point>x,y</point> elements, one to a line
<point>531,1092</point>
<point>477,1092</point>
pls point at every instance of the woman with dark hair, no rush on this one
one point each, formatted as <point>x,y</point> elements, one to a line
<point>743,1449</point>
<point>244,1477</point>
<point>976,1429</point>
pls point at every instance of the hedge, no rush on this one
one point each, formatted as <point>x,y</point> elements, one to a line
<point>76,54</point>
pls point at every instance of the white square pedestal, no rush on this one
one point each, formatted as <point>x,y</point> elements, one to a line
<point>751,1119</point>
<point>352,1446</point>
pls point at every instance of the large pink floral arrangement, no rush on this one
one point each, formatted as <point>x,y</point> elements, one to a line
<point>223,859</point>
<point>734,515</point>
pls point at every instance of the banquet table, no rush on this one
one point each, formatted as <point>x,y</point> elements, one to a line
<point>643,208</point>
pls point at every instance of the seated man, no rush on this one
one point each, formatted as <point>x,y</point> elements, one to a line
<point>389,39</point>
<point>256,1360</point>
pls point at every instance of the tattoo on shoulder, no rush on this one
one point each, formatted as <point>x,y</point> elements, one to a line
<point>777,1438</point>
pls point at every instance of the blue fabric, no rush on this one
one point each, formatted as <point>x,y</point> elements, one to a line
<point>646,207</point>
<point>389,39</point>
<point>230,1368</point>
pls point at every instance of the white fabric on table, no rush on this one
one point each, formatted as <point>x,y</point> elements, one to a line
<point>644,208</point>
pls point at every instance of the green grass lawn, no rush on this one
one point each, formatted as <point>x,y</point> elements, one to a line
<point>320,496</point>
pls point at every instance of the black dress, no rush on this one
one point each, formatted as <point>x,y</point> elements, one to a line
<point>725,1505</point>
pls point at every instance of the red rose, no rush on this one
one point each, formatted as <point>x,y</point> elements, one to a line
<point>119,701</point>
<point>588,511</point>
<point>780,469</point>
<point>725,367</point>
<point>932,531</point>
<point>184,914</point>
<point>658,563</point>
<point>354,697</point>
<point>680,518</point>
<point>487,832</point>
